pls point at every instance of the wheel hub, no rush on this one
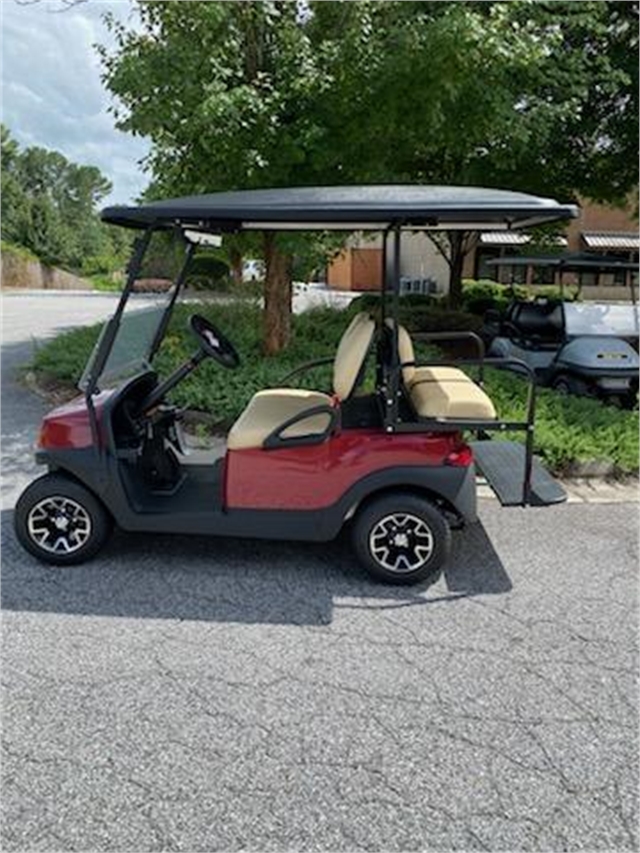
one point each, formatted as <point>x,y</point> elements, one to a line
<point>59,525</point>
<point>401,542</point>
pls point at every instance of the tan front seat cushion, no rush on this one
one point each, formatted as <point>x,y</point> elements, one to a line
<point>268,409</point>
<point>351,354</point>
<point>451,398</point>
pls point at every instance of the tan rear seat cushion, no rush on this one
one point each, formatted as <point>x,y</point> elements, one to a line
<point>451,398</point>
<point>441,392</point>
<point>439,374</point>
<point>268,409</point>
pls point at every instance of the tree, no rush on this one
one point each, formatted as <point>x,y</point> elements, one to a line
<point>540,97</point>
<point>49,206</point>
<point>15,203</point>
<point>226,94</point>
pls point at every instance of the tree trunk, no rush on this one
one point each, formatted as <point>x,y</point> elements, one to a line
<point>277,296</point>
<point>235,260</point>
<point>458,251</point>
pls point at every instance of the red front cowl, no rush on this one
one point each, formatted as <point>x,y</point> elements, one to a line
<point>69,426</point>
<point>318,475</point>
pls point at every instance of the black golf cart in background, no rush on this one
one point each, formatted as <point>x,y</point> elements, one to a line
<point>583,348</point>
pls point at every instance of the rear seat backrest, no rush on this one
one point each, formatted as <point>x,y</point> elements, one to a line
<point>351,354</point>
<point>405,352</point>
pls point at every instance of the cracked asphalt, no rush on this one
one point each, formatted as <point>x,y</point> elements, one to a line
<point>193,694</point>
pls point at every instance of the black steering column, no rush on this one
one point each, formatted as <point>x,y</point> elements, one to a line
<point>213,344</point>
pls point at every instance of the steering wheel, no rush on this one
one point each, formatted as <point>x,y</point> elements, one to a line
<point>213,343</point>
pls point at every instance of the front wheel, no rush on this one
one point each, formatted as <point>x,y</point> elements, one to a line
<point>567,385</point>
<point>401,538</point>
<point>60,522</point>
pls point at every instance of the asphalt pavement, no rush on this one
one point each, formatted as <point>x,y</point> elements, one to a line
<point>198,694</point>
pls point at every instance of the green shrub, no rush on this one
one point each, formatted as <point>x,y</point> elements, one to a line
<point>480,296</point>
<point>552,291</point>
<point>105,282</point>
<point>420,313</point>
<point>439,321</point>
<point>100,264</point>
<point>569,429</point>
<point>207,272</point>
<point>483,295</point>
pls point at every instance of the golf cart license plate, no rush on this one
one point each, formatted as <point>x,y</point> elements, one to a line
<point>614,384</point>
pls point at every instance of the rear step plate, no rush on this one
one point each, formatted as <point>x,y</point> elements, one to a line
<point>502,463</point>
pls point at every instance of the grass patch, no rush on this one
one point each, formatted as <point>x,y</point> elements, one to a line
<point>568,429</point>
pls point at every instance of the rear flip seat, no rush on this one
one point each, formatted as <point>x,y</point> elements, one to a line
<point>441,392</point>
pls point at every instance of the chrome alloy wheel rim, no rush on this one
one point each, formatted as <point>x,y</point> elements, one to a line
<point>401,542</point>
<point>59,525</point>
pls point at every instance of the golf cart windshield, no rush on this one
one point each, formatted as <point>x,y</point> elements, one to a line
<point>128,341</point>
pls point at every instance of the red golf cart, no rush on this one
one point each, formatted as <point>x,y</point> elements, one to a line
<point>396,463</point>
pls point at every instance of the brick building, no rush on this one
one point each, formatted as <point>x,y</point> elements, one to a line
<point>599,229</point>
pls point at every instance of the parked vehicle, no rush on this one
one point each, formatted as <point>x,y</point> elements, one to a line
<point>393,463</point>
<point>577,348</point>
<point>253,270</point>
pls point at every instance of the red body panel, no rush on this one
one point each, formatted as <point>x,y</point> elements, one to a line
<point>316,476</point>
<point>69,426</point>
<point>306,477</point>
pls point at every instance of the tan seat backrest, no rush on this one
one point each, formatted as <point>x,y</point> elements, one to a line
<point>405,353</point>
<point>351,354</point>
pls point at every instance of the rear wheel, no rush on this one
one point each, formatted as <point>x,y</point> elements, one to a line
<point>401,538</point>
<point>60,522</point>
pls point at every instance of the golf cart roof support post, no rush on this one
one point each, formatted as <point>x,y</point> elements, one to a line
<point>387,270</point>
<point>392,381</point>
<point>177,287</point>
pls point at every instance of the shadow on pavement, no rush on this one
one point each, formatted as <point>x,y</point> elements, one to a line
<point>231,580</point>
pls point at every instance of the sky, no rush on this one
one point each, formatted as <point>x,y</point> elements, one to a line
<point>51,90</point>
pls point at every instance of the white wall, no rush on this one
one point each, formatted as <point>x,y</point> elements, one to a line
<point>421,259</point>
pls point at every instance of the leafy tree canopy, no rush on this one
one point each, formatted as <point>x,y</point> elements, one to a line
<point>527,95</point>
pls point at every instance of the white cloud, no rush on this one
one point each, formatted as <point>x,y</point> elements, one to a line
<point>52,95</point>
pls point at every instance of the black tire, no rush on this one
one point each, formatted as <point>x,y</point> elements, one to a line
<point>421,543</point>
<point>566,385</point>
<point>60,522</point>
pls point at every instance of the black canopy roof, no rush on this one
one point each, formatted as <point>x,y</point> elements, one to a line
<point>347,208</point>
<point>568,261</point>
